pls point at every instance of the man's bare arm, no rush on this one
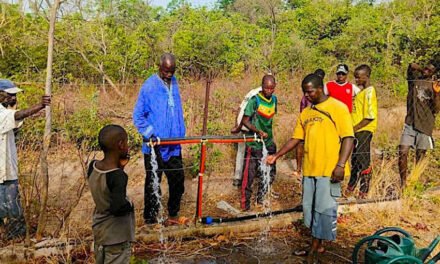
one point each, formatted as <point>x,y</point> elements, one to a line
<point>22,114</point>
<point>291,144</point>
<point>362,124</point>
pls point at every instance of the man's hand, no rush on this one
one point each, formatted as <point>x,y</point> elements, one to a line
<point>152,141</point>
<point>337,175</point>
<point>262,134</point>
<point>45,100</point>
<point>235,130</point>
<point>271,159</point>
<point>124,160</point>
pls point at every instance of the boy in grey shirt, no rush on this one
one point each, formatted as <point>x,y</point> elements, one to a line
<point>113,219</point>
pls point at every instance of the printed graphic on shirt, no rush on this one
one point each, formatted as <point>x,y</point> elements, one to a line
<point>422,93</point>
<point>266,108</point>
<point>321,150</point>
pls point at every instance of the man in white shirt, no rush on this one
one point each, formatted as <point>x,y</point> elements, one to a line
<point>11,213</point>
<point>239,128</point>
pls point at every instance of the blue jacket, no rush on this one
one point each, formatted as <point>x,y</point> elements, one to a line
<point>158,112</point>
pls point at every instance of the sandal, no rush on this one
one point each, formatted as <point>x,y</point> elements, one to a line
<point>301,253</point>
<point>305,252</point>
<point>177,221</point>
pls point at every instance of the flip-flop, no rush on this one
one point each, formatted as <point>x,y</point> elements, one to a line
<point>305,252</point>
<point>176,221</point>
<point>301,253</point>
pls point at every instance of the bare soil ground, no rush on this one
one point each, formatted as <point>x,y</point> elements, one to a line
<point>416,213</point>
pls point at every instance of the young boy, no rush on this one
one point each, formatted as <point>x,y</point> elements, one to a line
<point>113,219</point>
<point>11,212</point>
<point>240,128</point>
<point>258,117</point>
<point>325,160</point>
<point>364,116</point>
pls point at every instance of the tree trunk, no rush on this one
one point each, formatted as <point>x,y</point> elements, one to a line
<point>100,69</point>
<point>47,129</point>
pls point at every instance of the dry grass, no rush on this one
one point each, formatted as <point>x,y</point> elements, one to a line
<point>415,212</point>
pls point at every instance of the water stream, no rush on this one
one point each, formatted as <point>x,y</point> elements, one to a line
<point>265,245</point>
<point>163,258</point>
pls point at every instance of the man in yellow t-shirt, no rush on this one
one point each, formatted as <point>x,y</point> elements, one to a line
<point>326,129</point>
<point>364,117</point>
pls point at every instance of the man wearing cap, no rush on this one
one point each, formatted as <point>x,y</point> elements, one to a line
<point>341,89</point>
<point>11,213</point>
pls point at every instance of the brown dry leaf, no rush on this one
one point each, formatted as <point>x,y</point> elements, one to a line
<point>405,221</point>
<point>221,238</point>
<point>421,226</point>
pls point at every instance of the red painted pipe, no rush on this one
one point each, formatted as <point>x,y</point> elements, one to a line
<point>196,141</point>
<point>200,184</point>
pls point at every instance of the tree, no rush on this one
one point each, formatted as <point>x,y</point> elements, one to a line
<point>47,129</point>
<point>206,45</point>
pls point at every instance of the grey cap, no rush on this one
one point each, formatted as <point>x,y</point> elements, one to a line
<point>9,87</point>
<point>342,68</point>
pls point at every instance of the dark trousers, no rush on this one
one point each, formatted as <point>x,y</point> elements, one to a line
<point>173,169</point>
<point>251,170</point>
<point>360,162</point>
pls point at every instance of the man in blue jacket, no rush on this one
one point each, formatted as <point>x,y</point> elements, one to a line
<point>158,113</point>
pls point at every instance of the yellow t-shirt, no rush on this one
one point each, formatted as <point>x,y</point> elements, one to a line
<point>322,136</point>
<point>365,106</point>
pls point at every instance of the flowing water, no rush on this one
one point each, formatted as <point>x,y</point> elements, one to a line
<point>163,258</point>
<point>265,244</point>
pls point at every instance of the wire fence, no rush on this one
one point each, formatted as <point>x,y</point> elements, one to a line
<point>208,181</point>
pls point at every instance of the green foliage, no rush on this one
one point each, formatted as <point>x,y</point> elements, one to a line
<point>135,260</point>
<point>122,40</point>
<point>83,125</point>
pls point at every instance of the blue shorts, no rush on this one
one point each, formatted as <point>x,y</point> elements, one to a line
<point>320,206</point>
<point>10,206</point>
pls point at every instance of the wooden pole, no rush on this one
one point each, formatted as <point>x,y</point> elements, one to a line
<point>205,113</point>
<point>47,128</point>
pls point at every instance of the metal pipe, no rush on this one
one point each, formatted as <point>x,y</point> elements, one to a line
<point>209,220</point>
<point>298,208</point>
<point>198,139</point>
<point>200,183</point>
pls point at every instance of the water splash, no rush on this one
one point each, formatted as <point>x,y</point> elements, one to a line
<point>156,184</point>
<point>163,258</point>
<point>264,245</point>
<point>265,173</point>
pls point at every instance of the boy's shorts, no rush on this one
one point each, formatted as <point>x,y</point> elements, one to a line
<point>320,207</point>
<point>119,253</point>
<point>415,139</point>
<point>10,206</point>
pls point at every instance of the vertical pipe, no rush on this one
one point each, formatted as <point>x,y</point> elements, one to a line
<point>205,114</point>
<point>200,185</point>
